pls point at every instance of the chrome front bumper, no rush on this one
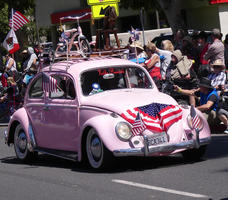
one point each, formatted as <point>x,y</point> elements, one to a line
<point>147,150</point>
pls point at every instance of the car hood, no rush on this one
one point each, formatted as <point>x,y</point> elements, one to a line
<point>121,100</point>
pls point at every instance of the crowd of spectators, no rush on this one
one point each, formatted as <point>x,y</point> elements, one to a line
<point>196,66</point>
<point>14,80</point>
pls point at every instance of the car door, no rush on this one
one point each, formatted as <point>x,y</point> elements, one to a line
<point>61,115</point>
<point>35,105</point>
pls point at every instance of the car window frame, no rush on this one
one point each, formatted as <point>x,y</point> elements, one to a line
<point>123,66</point>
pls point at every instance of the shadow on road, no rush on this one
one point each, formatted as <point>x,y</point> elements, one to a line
<point>217,149</point>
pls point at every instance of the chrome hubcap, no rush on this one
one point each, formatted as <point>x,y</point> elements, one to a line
<point>96,149</point>
<point>22,142</point>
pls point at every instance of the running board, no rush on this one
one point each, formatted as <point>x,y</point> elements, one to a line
<point>69,155</point>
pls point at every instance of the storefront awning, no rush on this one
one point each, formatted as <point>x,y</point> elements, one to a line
<point>218,1</point>
<point>55,17</point>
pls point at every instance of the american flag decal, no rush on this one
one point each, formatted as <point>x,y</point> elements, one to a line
<point>49,84</point>
<point>156,117</point>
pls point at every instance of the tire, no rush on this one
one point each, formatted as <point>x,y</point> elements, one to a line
<point>97,154</point>
<point>21,145</point>
<point>194,154</point>
<point>84,46</point>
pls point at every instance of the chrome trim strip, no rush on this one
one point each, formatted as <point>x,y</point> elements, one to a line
<point>160,149</point>
<point>56,155</point>
<point>52,105</point>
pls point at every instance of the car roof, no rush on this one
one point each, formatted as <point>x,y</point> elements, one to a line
<point>78,65</point>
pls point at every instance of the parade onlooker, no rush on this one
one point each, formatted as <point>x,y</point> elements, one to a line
<point>216,49</point>
<point>31,65</point>
<point>203,47</point>
<point>181,73</point>
<point>178,39</point>
<point>208,100</point>
<point>222,113</point>
<point>165,52</point>
<point>190,51</point>
<point>31,60</point>
<point>10,68</point>
<point>226,51</point>
<point>218,76</point>
<point>153,63</point>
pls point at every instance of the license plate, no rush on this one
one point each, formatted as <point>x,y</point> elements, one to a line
<point>158,139</point>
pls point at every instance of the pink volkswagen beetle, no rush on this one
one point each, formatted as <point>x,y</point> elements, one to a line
<point>91,110</point>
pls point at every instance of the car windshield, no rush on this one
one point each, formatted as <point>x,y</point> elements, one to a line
<point>104,79</point>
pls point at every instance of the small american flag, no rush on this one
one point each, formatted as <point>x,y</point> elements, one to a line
<point>196,122</point>
<point>17,20</point>
<point>157,117</point>
<point>49,84</point>
<point>138,126</point>
<point>134,34</point>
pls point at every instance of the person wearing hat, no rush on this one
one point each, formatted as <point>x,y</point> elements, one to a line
<point>208,100</point>
<point>218,76</point>
<point>216,49</point>
<point>137,50</point>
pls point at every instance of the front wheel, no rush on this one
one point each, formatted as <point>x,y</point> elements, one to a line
<point>84,47</point>
<point>194,154</point>
<point>96,152</point>
<point>21,145</point>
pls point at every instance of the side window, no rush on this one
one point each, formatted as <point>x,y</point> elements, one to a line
<point>65,88</point>
<point>36,91</point>
<point>70,90</point>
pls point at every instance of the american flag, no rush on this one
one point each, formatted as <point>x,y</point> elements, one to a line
<point>138,126</point>
<point>134,34</point>
<point>196,122</point>
<point>17,20</point>
<point>49,84</point>
<point>157,117</point>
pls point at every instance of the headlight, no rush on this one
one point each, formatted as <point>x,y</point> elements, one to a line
<point>123,131</point>
<point>198,124</point>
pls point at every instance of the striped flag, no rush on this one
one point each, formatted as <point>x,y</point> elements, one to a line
<point>138,126</point>
<point>156,116</point>
<point>17,20</point>
<point>49,84</point>
<point>196,122</point>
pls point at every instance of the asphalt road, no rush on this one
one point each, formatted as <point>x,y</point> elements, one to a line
<point>163,178</point>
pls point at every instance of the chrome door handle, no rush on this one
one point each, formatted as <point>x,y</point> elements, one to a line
<point>46,108</point>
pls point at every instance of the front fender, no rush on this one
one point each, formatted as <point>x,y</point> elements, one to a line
<point>105,128</point>
<point>19,117</point>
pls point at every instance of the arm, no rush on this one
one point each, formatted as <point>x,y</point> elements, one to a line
<point>205,107</point>
<point>152,61</point>
<point>10,64</point>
